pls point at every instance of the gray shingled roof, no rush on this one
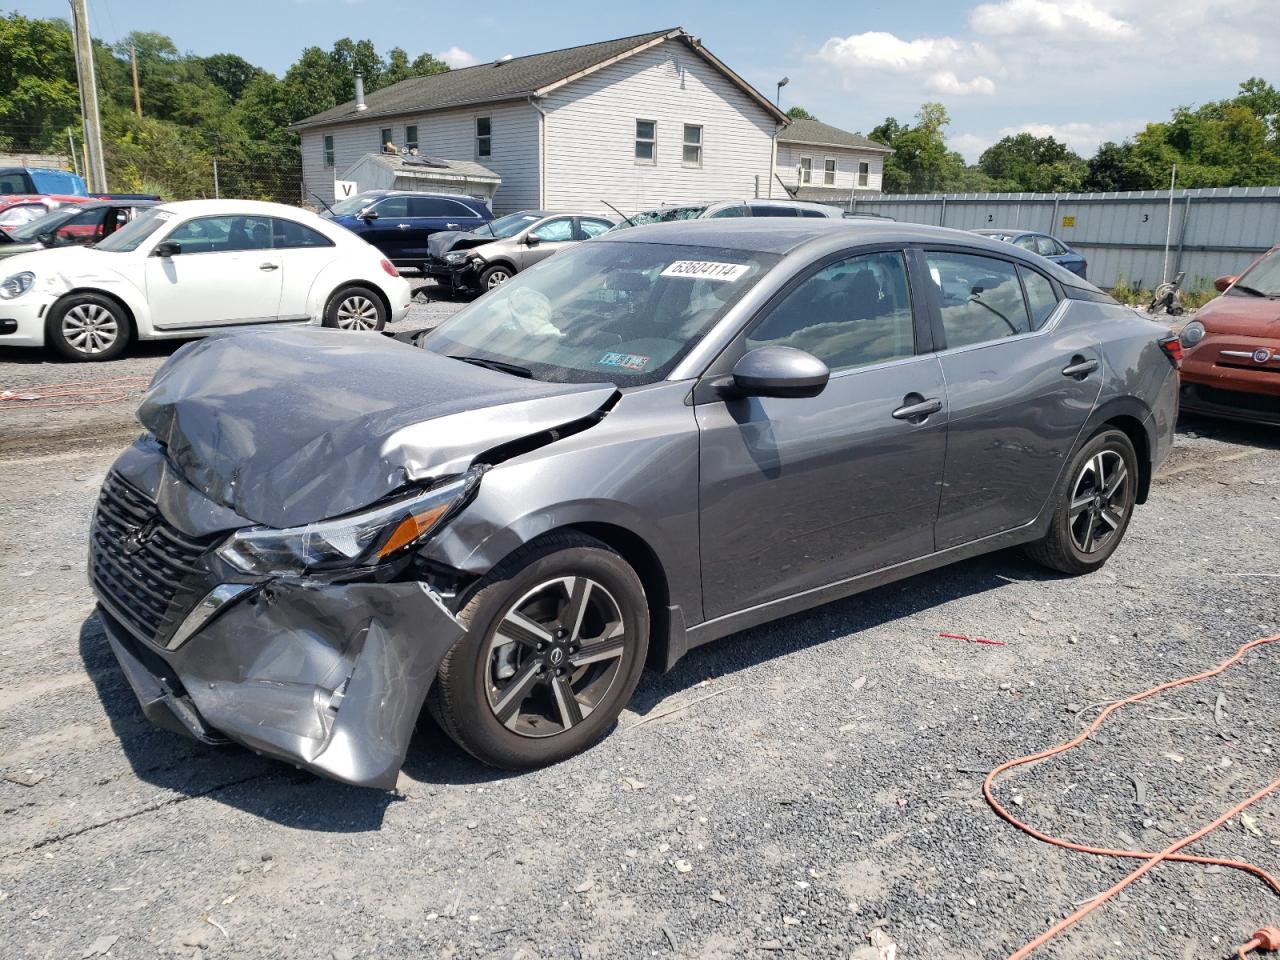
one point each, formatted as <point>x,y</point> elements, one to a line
<point>484,83</point>
<point>817,132</point>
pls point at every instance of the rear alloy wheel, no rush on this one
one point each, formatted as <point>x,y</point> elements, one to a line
<point>355,308</point>
<point>495,277</point>
<point>88,326</point>
<point>555,645</point>
<point>1095,505</point>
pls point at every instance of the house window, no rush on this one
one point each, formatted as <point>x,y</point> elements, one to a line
<point>829,173</point>
<point>328,151</point>
<point>411,138</point>
<point>692,145</point>
<point>384,137</point>
<point>806,170</point>
<point>484,136</point>
<point>646,141</point>
<point>864,173</point>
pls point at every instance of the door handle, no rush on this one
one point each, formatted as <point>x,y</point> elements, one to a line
<point>402,226</point>
<point>269,266</point>
<point>917,409</point>
<point>1079,367</point>
<point>451,226</point>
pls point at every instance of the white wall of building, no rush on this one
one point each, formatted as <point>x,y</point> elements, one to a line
<point>591,131</point>
<point>846,174</point>
<point>452,134</point>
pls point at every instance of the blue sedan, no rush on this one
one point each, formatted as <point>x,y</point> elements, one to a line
<point>1051,248</point>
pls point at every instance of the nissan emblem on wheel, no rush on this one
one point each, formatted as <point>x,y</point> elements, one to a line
<point>649,442</point>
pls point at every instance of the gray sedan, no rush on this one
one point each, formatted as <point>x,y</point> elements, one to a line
<point>654,440</point>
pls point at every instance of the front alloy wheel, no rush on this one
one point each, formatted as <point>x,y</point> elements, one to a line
<point>556,641</point>
<point>88,326</point>
<point>554,657</point>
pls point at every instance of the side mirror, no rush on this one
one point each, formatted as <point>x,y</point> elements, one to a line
<point>367,215</point>
<point>532,240</point>
<point>168,249</point>
<point>778,371</point>
<point>47,239</point>
<point>1222,283</point>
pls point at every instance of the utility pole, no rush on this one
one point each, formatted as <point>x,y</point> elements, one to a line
<point>137,93</point>
<point>95,167</point>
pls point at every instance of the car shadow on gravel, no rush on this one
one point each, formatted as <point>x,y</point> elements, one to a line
<point>840,618</point>
<point>230,775</point>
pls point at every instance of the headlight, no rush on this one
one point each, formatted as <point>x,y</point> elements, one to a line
<point>1192,334</point>
<point>17,285</point>
<point>456,256</point>
<point>358,540</point>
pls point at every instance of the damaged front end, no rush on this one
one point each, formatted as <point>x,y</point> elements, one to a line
<point>255,590</point>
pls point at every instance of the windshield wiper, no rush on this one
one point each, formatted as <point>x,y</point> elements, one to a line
<point>1252,291</point>
<point>512,368</point>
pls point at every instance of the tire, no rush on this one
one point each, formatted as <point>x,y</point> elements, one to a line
<point>499,700</point>
<point>355,308</point>
<point>495,276</point>
<point>88,326</point>
<point>1089,523</point>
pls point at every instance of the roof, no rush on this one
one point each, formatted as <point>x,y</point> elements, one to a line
<point>513,79</point>
<point>782,235</point>
<point>823,134</point>
<point>429,168</point>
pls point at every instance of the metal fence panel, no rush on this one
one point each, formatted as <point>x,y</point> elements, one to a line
<point>1208,232</point>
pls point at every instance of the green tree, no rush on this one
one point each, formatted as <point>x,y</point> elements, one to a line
<point>920,162</point>
<point>800,113</point>
<point>38,94</point>
<point>1024,162</point>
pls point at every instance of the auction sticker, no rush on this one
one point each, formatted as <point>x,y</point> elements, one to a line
<point>705,270</point>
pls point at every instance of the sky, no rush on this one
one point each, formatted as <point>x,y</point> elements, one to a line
<point>1085,71</point>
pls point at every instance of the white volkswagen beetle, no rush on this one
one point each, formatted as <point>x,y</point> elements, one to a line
<point>192,268</point>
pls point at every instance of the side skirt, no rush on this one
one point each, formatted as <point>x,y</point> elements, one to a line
<point>763,613</point>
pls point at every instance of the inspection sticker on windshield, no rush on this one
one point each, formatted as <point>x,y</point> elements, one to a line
<point>628,361</point>
<point>705,270</point>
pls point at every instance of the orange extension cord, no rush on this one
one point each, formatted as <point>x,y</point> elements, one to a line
<point>82,393</point>
<point>1264,939</point>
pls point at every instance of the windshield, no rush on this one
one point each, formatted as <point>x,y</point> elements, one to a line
<point>349,206</point>
<point>1262,278</point>
<point>511,224</point>
<point>664,216</point>
<point>618,312</point>
<point>30,232</point>
<point>129,237</point>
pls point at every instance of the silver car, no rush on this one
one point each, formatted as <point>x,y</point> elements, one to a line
<point>758,207</point>
<point>492,254</point>
<point>651,441</point>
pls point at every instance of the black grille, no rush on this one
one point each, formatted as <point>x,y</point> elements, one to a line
<point>138,562</point>
<point>1256,403</point>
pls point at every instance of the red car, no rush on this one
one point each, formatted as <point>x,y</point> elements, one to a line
<point>17,209</point>
<point>1231,350</point>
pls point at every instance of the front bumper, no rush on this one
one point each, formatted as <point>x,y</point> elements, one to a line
<point>22,320</point>
<point>459,276</point>
<point>328,677</point>
<point>1220,377</point>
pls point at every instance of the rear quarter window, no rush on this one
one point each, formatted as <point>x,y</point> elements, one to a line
<point>1041,298</point>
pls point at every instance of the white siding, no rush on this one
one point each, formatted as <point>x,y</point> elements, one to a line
<point>590,135</point>
<point>450,135</point>
<point>846,159</point>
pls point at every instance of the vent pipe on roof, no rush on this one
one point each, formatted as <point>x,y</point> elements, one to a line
<point>360,104</point>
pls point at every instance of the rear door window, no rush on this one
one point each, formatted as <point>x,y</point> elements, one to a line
<point>1040,296</point>
<point>593,228</point>
<point>980,298</point>
<point>770,210</point>
<point>290,235</point>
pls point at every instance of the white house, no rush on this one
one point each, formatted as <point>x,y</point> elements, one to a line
<point>635,122</point>
<point>817,161</point>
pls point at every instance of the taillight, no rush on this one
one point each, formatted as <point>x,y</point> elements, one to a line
<point>1172,348</point>
<point>390,268</point>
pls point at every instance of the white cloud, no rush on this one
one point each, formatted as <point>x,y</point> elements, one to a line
<point>457,57</point>
<point>1042,17</point>
<point>937,62</point>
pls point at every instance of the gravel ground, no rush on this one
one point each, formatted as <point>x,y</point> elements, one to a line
<point>790,791</point>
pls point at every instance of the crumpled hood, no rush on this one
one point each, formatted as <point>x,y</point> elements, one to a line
<point>438,244</point>
<point>296,425</point>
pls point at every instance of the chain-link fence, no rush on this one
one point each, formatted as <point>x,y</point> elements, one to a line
<point>170,166</point>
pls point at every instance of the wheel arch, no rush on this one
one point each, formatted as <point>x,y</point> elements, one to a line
<point>135,331</point>
<point>374,288</point>
<point>500,262</point>
<point>1130,416</point>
